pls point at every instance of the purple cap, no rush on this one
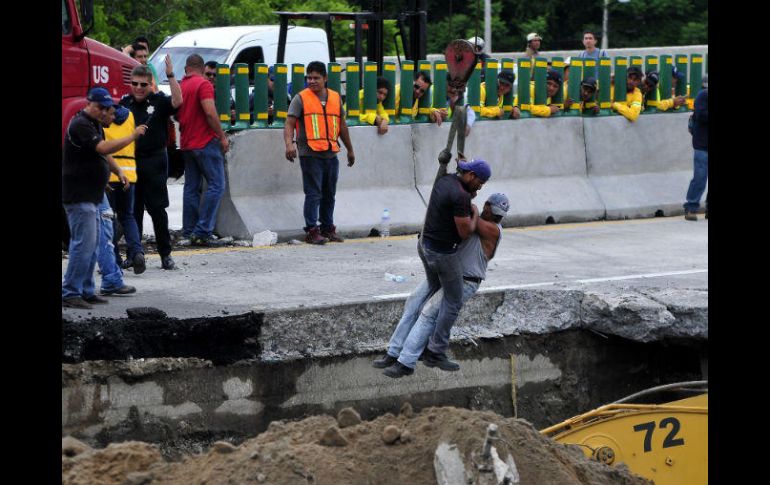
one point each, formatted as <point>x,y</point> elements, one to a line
<point>101,96</point>
<point>479,167</point>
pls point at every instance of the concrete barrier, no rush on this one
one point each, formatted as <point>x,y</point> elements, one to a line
<point>553,170</point>
<point>648,172</point>
<point>539,163</point>
<point>265,190</point>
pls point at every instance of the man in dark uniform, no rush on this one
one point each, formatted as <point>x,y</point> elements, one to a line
<point>85,172</point>
<point>154,110</point>
<point>450,219</point>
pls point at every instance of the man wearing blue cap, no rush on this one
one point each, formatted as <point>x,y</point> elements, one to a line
<point>85,172</point>
<point>450,219</point>
<point>415,328</point>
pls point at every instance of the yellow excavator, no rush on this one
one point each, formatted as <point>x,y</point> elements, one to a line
<point>667,442</point>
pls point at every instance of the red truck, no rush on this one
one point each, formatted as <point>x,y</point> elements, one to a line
<point>86,63</point>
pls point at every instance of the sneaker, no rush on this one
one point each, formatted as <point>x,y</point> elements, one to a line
<point>207,242</point>
<point>167,263</point>
<point>398,370</point>
<point>123,290</point>
<point>690,216</point>
<point>384,362</point>
<point>314,236</point>
<point>95,299</point>
<point>331,234</point>
<point>139,265</point>
<point>431,359</point>
<point>76,302</point>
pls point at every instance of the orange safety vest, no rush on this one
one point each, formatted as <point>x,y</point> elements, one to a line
<point>322,123</point>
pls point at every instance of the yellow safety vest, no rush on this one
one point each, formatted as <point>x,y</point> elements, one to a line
<point>124,157</point>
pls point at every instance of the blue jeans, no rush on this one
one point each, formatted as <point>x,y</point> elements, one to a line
<point>412,309</point>
<point>112,275</point>
<point>698,182</point>
<point>83,219</point>
<point>319,181</point>
<point>444,271</point>
<point>199,218</point>
<point>426,324</point>
<point>122,202</point>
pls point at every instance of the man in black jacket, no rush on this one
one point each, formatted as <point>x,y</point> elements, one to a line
<point>700,143</point>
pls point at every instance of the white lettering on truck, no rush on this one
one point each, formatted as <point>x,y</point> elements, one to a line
<point>101,74</point>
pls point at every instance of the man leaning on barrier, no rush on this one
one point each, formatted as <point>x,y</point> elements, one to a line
<point>420,88</point>
<point>504,86</point>
<point>587,92</point>
<point>633,104</point>
<point>651,92</point>
<point>553,84</point>
<point>380,119</point>
<point>316,112</point>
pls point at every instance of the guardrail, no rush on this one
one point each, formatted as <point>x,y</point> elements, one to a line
<point>239,109</point>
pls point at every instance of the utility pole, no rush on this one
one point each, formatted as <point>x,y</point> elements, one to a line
<point>606,21</point>
<point>488,26</point>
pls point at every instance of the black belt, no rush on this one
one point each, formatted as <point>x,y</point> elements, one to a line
<point>472,279</point>
<point>439,246</point>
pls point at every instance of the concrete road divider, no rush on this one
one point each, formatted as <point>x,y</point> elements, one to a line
<point>539,164</point>
<point>265,190</point>
<point>640,168</point>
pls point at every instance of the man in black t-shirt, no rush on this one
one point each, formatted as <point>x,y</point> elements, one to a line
<point>154,110</point>
<point>85,172</point>
<point>449,220</point>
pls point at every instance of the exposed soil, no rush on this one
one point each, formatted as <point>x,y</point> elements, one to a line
<point>323,450</point>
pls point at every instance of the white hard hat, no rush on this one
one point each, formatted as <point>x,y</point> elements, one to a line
<point>477,42</point>
<point>533,36</point>
<point>568,61</point>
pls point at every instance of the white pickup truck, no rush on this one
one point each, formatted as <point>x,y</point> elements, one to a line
<point>248,44</point>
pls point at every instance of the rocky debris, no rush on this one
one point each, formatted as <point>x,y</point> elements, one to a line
<point>71,447</point>
<point>406,410</point>
<point>138,478</point>
<point>146,313</point>
<point>290,453</point>
<point>390,434</point>
<point>222,447</point>
<point>348,417</point>
<point>101,370</point>
<point>110,466</point>
<point>333,437</point>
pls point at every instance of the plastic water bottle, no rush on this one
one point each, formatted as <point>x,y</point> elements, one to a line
<point>385,223</point>
<point>393,277</point>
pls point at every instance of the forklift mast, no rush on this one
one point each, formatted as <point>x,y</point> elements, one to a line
<point>413,18</point>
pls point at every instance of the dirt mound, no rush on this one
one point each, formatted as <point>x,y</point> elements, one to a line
<point>388,450</point>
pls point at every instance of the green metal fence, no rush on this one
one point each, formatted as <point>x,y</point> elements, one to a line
<point>242,90</point>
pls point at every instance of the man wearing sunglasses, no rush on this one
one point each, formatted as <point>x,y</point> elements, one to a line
<point>422,84</point>
<point>150,192</point>
<point>85,172</point>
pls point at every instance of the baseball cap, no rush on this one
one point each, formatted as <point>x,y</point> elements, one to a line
<point>499,204</point>
<point>121,114</point>
<point>533,36</point>
<point>677,73</point>
<point>101,96</point>
<point>271,73</point>
<point>506,77</point>
<point>477,42</point>
<point>634,70</point>
<point>653,77</point>
<point>553,75</point>
<point>589,82</point>
<point>479,167</point>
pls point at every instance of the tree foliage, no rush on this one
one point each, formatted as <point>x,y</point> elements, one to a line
<point>560,22</point>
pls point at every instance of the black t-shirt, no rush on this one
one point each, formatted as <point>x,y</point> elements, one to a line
<point>157,109</point>
<point>84,171</point>
<point>448,200</point>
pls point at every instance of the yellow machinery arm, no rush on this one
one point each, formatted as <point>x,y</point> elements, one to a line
<point>667,443</point>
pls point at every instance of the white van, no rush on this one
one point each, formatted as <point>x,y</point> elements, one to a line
<point>249,44</point>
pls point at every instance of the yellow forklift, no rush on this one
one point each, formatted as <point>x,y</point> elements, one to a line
<point>666,442</point>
